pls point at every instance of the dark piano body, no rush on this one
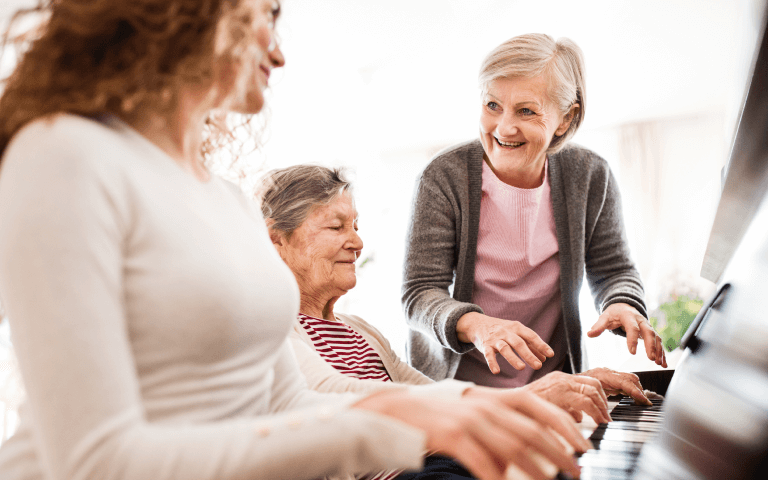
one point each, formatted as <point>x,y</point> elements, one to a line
<point>713,424</point>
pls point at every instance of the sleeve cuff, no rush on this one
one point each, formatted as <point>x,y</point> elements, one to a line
<point>451,336</point>
<point>638,304</point>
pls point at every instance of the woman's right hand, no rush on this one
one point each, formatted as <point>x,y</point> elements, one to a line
<point>574,394</point>
<point>485,434</point>
<point>513,340</point>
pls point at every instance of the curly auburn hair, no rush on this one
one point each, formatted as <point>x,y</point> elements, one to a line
<point>95,57</point>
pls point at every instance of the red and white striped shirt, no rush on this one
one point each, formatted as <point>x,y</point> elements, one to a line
<point>349,353</point>
<point>345,349</point>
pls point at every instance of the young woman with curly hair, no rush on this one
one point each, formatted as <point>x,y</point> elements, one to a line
<point>148,309</point>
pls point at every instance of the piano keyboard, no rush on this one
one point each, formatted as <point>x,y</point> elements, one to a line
<point>618,444</point>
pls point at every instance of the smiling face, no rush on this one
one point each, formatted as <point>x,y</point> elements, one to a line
<point>243,77</point>
<point>266,39</point>
<point>517,124</point>
<point>322,251</point>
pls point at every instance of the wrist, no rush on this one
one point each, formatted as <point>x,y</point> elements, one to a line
<point>465,327</point>
<point>383,402</point>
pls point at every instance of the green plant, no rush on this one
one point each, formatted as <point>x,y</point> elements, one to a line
<point>673,318</point>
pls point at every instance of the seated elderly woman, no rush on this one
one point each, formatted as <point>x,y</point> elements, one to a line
<point>312,220</point>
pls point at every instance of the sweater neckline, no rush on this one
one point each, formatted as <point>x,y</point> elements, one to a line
<point>336,321</point>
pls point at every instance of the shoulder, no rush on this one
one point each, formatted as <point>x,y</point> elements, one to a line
<point>360,326</point>
<point>249,204</point>
<point>69,142</point>
<point>451,164</point>
<point>61,130</point>
<point>579,164</point>
<point>578,158</point>
<point>354,322</point>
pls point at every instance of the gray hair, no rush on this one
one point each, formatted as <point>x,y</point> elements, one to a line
<point>533,54</point>
<point>288,195</point>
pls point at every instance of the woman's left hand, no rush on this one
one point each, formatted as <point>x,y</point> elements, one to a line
<point>616,383</point>
<point>635,325</point>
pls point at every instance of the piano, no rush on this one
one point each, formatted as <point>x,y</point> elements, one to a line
<point>713,422</point>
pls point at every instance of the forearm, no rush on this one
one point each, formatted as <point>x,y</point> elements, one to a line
<point>611,272</point>
<point>292,445</point>
<point>432,311</point>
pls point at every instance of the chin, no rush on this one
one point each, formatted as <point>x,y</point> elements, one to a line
<point>251,104</point>
<point>254,104</point>
<point>348,284</point>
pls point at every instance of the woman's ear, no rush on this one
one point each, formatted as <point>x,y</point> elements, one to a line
<point>276,237</point>
<point>567,119</point>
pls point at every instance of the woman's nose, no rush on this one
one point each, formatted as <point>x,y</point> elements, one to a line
<point>355,242</point>
<point>507,125</point>
<point>276,57</point>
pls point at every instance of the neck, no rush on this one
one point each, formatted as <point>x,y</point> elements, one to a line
<point>178,131</point>
<point>521,176</point>
<point>318,307</point>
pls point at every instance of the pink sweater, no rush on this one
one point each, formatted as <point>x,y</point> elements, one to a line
<point>517,275</point>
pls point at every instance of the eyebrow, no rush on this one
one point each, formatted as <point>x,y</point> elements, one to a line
<point>531,102</point>
<point>342,217</point>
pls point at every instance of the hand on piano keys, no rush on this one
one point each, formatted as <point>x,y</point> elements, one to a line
<point>586,392</point>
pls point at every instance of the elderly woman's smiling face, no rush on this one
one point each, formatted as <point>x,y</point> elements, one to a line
<point>322,251</point>
<point>517,124</point>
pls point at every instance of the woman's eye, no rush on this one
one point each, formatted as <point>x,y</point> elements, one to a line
<point>527,111</point>
<point>492,105</point>
<point>335,227</point>
<point>274,12</point>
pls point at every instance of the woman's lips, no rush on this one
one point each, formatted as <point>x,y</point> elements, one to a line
<point>508,144</point>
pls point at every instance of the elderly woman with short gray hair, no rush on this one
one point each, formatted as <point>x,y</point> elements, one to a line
<point>312,220</point>
<point>504,227</point>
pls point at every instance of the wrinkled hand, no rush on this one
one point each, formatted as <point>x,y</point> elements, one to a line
<point>615,383</point>
<point>532,405</point>
<point>574,394</point>
<point>635,325</point>
<point>513,340</point>
<point>484,434</point>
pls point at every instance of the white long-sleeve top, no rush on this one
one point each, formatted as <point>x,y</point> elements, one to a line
<point>149,313</point>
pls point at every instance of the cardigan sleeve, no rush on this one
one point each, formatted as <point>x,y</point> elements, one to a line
<point>61,268</point>
<point>611,273</point>
<point>430,260</point>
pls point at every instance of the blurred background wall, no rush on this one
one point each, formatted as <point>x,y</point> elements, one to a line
<point>381,86</point>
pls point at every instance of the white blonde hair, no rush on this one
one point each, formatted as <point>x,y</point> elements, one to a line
<point>533,54</point>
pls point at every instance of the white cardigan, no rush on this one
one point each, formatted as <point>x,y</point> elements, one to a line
<point>322,377</point>
<point>149,312</point>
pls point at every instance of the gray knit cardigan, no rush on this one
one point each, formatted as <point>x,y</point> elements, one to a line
<point>442,242</point>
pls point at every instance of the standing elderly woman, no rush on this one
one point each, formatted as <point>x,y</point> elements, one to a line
<point>148,309</point>
<point>510,222</point>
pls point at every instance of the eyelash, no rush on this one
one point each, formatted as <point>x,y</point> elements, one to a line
<point>341,227</point>
<point>523,111</point>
